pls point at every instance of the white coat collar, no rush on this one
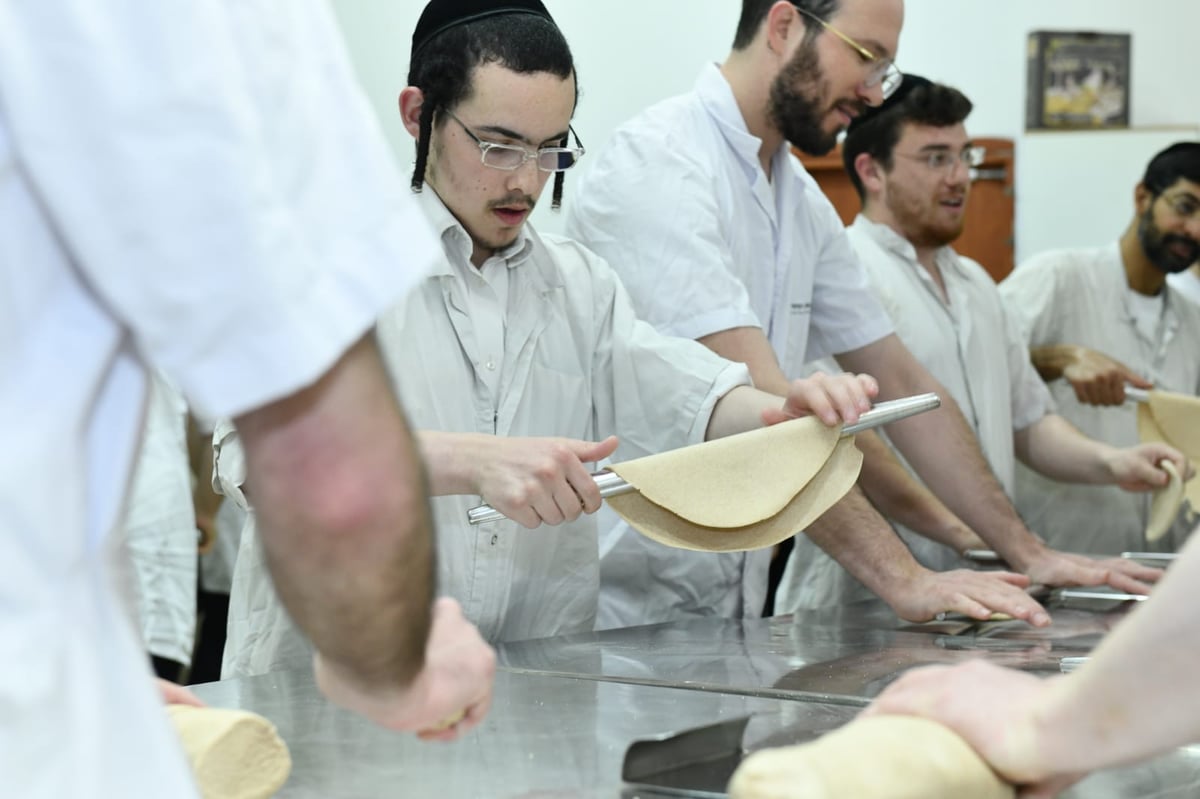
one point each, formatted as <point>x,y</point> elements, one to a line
<point>716,95</point>
<point>455,238</point>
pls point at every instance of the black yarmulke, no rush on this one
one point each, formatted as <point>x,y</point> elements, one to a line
<point>441,15</point>
<point>907,86</point>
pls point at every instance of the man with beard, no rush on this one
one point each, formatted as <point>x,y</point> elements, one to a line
<point>720,235</point>
<point>910,162</point>
<point>519,354</point>
<point>1093,319</point>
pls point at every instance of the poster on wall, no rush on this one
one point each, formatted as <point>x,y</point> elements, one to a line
<point>1077,80</point>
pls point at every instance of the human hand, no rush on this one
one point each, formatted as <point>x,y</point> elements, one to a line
<point>991,708</point>
<point>450,695</point>
<point>1137,468</point>
<point>976,594</point>
<point>1054,568</point>
<point>173,694</point>
<point>536,481</point>
<point>1099,379</point>
<point>831,398</point>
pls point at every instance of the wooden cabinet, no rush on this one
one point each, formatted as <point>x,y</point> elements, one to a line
<point>988,230</point>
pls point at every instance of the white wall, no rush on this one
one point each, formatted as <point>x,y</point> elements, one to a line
<point>630,53</point>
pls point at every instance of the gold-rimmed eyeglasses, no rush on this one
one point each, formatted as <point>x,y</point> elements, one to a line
<point>883,72</point>
<point>513,156</point>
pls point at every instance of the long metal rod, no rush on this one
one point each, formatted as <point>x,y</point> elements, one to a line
<point>611,484</point>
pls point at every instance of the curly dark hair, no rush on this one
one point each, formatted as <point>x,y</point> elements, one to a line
<point>442,69</point>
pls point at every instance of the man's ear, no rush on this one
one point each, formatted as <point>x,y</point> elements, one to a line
<point>869,172</point>
<point>412,100</point>
<point>783,23</point>
<point>1142,198</point>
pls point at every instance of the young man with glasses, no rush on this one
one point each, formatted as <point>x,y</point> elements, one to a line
<point>1096,319</point>
<point>910,161</point>
<point>519,356</point>
<point>720,235</point>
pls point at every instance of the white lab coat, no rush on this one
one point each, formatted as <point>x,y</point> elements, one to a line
<point>160,530</point>
<point>1082,297</point>
<point>1186,284</point>
<point>153,157</point>
<point>974,347</point>
<point>577,363</point>
<point>680,206</point>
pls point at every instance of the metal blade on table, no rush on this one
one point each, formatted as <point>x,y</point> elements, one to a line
<point>611,484</point>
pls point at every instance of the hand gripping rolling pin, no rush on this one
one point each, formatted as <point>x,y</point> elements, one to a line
<point>611,484</point>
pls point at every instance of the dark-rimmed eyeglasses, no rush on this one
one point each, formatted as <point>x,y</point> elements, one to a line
<point>513,156</point>
<point>883,72</point>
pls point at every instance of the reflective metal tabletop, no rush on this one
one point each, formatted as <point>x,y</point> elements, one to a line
<point>846,655</point>
<point>559,738</point>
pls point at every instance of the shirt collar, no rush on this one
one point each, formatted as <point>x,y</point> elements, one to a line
<point>716,95</point>
<point>457,242</point>
<point>893,242</point>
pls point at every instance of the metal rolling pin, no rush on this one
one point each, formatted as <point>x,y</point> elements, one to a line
<point>1136,394</point>
<point>611,484</point>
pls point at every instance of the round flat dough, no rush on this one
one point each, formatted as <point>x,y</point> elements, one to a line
<point>1164,508</point>
<point>738,480</point>
<point>234,754</point>
<point>881,757</point>
<point>830,484</point>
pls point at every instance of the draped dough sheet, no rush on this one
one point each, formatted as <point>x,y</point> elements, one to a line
<point>234,754</point>
<point>881,757</point>
<point>1173,419</point>
<point>742,492</point>
<point>1165,505</point>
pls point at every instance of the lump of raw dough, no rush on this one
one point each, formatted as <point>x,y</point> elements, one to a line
<point>234,754</point>
<point>880,757</point>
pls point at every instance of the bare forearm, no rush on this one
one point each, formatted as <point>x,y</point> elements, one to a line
<point>738,411</point>
<point>450,460</point>
<point>345,524</point>
<point>1053,447</point>
<point>945,453</point>
<point>854,535</point>
<point>903,499</point>
<point>1051,360</point>
<point>1132,699</point>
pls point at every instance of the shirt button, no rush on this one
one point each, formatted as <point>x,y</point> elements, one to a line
<point>491,366</point>
<point>495,538</point>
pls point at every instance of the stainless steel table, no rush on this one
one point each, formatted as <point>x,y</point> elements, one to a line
<point>559,738</point>
<point>545,738</point>
<point>846,655</point>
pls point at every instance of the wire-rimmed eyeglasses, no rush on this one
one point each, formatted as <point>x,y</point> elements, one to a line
<point>883,72</point>
<point>513,156</point>
<point>945,160</point>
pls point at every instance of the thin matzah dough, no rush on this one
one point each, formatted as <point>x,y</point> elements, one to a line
<point>234,754</point>
<point>1165,505</point>
<point>737,480</point>
<point>881,757</point>
<point>828,486</point>
<point>1174,419</point>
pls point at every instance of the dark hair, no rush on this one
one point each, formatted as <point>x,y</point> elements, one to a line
<point>755,11</point>
<point>523,43</point>
<point>1180,160</point>
<point>930,104</point>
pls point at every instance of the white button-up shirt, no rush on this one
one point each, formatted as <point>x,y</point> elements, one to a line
<point>200,186</point>
<point>973,346</point>
<point>705,241</point>
<point>160,530</point>
<point>1186,284</point>
<point>1082,297</point>
<point>577,363</point>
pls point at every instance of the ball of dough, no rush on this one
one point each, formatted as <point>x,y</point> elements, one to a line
<point>880,757</point>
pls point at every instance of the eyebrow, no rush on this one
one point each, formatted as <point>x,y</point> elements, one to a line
<point>947,147</point>
<point>499,130</point>
<point>875,46</point>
